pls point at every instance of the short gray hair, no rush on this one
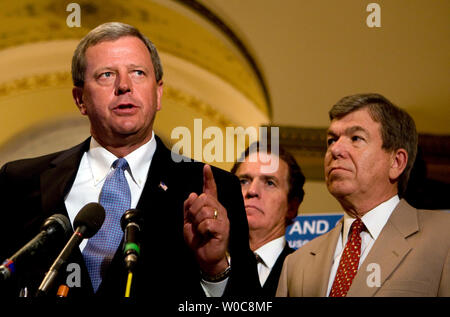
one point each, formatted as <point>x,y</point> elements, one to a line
<point>110,31</point>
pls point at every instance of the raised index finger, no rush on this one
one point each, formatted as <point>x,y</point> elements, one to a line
<point>209,184</point>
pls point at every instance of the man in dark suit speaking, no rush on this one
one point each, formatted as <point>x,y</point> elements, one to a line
<point>195,229</point>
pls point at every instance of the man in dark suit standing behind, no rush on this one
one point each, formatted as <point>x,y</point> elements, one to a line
<point>195,230</point>
<point>271,199</point>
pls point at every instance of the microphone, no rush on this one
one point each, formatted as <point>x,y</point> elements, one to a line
<point>87,222</point>
<point>55,228</point>
<point>132,222</point>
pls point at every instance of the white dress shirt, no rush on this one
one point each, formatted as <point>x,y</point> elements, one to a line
<point>374,220</point>
<point>96,164</point>
<point>269,254</point>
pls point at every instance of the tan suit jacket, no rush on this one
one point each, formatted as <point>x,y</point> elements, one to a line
<point>410,258</point>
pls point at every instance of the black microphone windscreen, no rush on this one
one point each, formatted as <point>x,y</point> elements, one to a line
<point>58,222</point>
<point>91,217</point>
<point>131,215</point>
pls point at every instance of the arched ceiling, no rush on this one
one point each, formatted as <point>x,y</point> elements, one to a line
<point>206,75</point>
<point>174,28</point>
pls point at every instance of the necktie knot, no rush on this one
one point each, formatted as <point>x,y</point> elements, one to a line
<point>357,226</point>
<point>120,163</point>
<point>259,259</point>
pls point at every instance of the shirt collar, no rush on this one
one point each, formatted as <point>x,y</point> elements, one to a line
<point>270,251</point>
<point>374,220</point>
<point>100,161</point>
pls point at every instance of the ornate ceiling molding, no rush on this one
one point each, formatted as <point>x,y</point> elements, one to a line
<point>196,104</point>
<point>221,25</point>
<point>180,28</point>
<point>40,81</point>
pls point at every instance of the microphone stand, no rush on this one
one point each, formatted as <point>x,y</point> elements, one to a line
<point>130,263</point>
<point>131,223</point>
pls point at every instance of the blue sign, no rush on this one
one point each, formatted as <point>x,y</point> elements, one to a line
<point>309,226</point>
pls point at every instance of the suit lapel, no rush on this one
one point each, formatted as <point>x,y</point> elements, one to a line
<point>162,205</point>
<point>55,183</point>
<point>57,180</point>
<point>317,274</point>
<point>158,183</point>
<point>271,284</point>
<point>388,251</point>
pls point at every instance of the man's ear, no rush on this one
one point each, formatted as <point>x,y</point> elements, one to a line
<point>399,160</point>
<point>77,93</point>
<point>159,93</point>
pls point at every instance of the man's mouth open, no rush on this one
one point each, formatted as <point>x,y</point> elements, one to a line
<point>125,109</point>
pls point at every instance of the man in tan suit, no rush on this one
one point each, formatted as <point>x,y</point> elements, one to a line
<point>382,246</point>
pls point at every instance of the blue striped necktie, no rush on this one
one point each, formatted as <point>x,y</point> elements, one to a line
<point>115,197</point>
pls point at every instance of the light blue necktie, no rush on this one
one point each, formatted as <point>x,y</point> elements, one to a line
<point>115,197</point>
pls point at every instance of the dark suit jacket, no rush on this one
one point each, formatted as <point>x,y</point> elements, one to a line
<point>270,286</point>
<point>411,257</point>
<point>31,190</point>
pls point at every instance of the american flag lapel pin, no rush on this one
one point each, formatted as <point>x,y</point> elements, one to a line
<point>163,186</point>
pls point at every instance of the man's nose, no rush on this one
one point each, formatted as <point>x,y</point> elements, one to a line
<point>253,190</point>
<point>123,84</point>
<point>338,148</point>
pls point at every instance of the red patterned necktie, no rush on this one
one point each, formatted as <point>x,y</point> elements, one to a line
<point>348,266</point>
